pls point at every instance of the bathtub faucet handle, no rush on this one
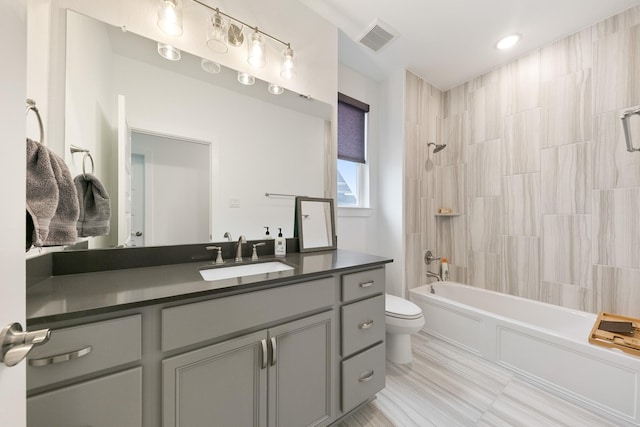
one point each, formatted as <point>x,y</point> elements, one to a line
<point>428,257</point>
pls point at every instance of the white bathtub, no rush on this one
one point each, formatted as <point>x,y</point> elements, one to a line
<point>547,344</point>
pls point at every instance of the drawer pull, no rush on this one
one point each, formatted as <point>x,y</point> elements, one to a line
<point>365,325</point>
<point>265,355</point>
<point>367,284</point>
<point>59,358</point>
<point>366,376</point>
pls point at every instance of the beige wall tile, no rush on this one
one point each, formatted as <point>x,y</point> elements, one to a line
<point>566,249</point>
<point>485,224</point>
<point>452,239</point>
<point>485,270</point>
<point>616,227</point>
<point>567,56</point>
<point>524,135</point>
<point>524,83</point>
<point>483,168</point>
<point>567,101</point>
<point>616,290</point>
<point>450,184</point>
<point>566,179</point>
<point>521,204</point>
<point>521,266</point>
<point>616,70</point>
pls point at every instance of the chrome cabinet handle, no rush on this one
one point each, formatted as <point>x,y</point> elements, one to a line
<point>367,284</point>
<point>265,355</point>
<point>274,351</point>
<point>15,343</point>
<point>59,358</point>
<point>365,325</point>
<point>366,376</point>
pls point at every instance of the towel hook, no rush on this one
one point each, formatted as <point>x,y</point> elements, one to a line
<point>75,149</point>
<point>31,106</point>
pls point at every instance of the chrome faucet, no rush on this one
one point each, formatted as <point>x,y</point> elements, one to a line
<point>434,275</point>
<point>241,240</point>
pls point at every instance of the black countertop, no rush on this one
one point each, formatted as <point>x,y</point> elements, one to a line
<point>67,296</point>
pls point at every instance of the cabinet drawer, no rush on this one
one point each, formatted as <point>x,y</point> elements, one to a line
<point>192,323</point>
<point>362,284</point>
<point>80,350</point>
<point>114,400</point>
<point>362,376</point>
<point>362,324</point>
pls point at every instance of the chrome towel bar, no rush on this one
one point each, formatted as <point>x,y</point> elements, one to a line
<point>627,131</point>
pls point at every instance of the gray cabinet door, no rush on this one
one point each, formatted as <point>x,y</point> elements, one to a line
<point>301,372</point>
<point>221,385</point>
<point>114,400</point>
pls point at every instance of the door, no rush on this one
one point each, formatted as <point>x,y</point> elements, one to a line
<point>223,384</point>
<point>13,72</point>
<point>301,372</point>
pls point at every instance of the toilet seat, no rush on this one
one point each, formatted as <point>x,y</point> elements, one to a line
<point>401,308</point>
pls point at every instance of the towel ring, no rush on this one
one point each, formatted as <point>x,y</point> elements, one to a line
<point>31,106</point>
<point>75,149</point>
<point>84,171</point>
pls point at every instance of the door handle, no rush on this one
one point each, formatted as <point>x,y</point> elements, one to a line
<point>274,351</point>
<point>265,355</point>
<point>16,343</point>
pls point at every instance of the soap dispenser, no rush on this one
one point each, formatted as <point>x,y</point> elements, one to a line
<point>267,235</point>
<point>280,244</point>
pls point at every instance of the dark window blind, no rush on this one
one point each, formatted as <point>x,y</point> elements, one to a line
<point>351,122</point>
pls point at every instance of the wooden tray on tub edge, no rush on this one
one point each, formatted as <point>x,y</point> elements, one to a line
<point>629,343</point>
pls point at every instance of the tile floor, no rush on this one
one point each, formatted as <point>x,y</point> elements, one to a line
<point>446,386</point>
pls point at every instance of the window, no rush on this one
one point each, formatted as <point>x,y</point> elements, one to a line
<point>353,171</point>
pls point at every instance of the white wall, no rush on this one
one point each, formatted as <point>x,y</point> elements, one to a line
<point>391,223</point>
<point>90,108</point>
<point>357,227</point>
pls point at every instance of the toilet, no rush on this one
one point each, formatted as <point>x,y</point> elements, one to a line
<point>402,318</point>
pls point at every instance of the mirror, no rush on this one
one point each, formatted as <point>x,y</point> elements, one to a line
<point>118,86</point>
<point>315,224</point>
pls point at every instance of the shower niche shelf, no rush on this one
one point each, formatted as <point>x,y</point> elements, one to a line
<point>447,215</point>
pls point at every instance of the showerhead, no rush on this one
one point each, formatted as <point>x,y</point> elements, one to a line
<point>439,147</point>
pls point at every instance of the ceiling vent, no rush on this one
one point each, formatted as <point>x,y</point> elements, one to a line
<point>378,36</point>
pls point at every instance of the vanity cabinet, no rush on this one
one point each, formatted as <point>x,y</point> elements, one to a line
<point>362,337</point>
<point>297,351</point>
<point>287,369</point>
<point>86,351</point>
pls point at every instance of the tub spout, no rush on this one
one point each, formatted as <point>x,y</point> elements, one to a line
<point>434,275</point>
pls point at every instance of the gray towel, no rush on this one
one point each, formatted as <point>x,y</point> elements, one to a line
<point>62,228</point>
<point>95,206</point>
<point>42,191</point>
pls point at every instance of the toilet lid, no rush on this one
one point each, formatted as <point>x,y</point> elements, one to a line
<point>399,307</point>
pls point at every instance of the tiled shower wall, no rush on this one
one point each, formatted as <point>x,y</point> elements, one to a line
<point>537,169</point>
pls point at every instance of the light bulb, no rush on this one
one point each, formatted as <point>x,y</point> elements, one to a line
<point>170,17</point>
<point>275,89</point>
<point>288,64</point>
<point>210,66</point>
<point>217,34</point>
<point>246,78</point>
<point>169,52</point>
<point>257,50</point>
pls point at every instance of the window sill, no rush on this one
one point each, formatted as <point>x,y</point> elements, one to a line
<point>354,212</point>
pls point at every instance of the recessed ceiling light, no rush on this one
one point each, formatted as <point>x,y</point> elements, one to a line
<point>508,41</point>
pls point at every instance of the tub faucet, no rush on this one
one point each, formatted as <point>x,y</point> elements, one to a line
<point>435,275</point>
<point>241,240</point>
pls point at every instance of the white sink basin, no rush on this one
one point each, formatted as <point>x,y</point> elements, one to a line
<point>232,271</point>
